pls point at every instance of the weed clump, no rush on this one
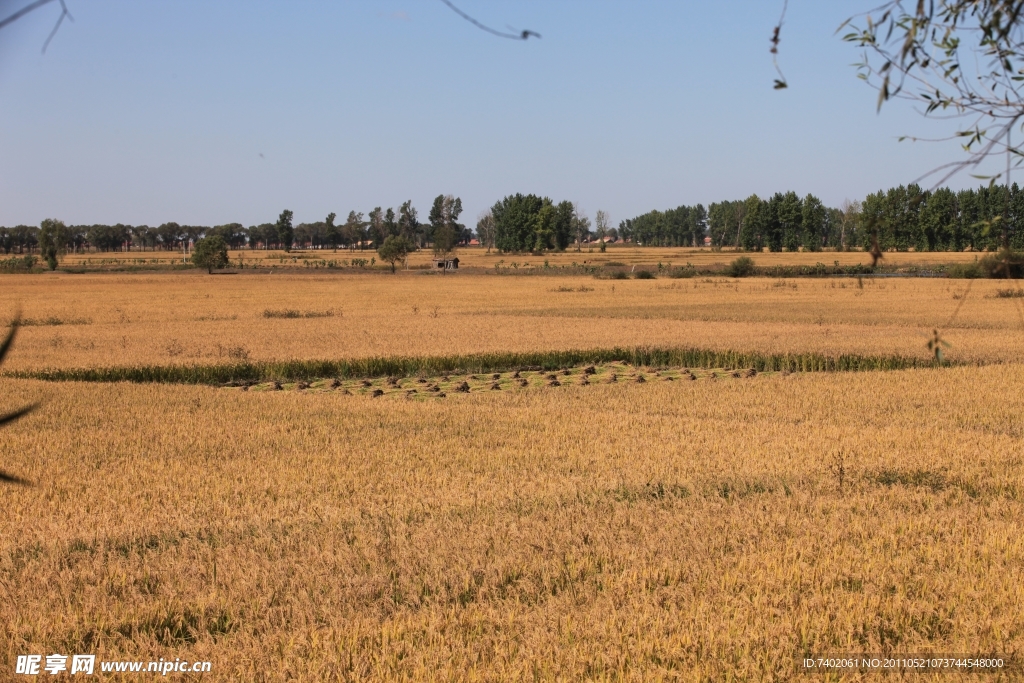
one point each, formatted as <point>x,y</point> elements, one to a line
<point>965,271</point>
<point>1007,264</point>
<point>741,267</point>
<point>292,313</point>
<point>686,271</point>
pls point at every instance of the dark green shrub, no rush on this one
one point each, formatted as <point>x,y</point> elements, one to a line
<point>644,275</point>
<point>1007,264</point>
<point>741,267</point>
<point>210,253</point>
<point>968,271</point>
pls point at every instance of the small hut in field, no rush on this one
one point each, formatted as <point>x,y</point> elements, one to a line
<point>446,263</point>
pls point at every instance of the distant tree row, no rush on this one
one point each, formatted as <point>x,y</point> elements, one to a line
<point>901,218</point>
<point>943,220</point>
<point>355,232</point>
<point>684,226</point>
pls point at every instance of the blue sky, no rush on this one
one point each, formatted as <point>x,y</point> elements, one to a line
<point>146,112</point>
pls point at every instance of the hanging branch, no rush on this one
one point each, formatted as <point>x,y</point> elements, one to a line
<point>780,82</point>
<point>956,59</point>
<point>5,346</point>
<point>34,6</point>
<point>522,35</point>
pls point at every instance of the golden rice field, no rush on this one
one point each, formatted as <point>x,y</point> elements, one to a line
<point>191,317</point>
<point>479,257</point>
<point>703,530</point>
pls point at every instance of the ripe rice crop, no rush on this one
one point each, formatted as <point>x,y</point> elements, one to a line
<point>616,256</point>
<point>193,318</point>
<point>604,492</point>
<point>623,531</point>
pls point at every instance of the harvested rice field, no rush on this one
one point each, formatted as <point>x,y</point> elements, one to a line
<point>604,521</point>
<point>440,387</point>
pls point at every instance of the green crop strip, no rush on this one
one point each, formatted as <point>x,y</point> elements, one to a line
<point>409,366</point>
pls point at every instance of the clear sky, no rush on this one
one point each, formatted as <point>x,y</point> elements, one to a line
<point>213,111</point>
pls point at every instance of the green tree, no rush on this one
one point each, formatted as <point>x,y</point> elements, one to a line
<point>723,222</point>
<point>790,217</point>
<point>445,229</point>
<point>210,252</point>
<point>752,229</point>
<point>390,223</point>
<point>378,231</point>
<point>354,230</point>
<point>544,227</point>
<point>515,222</point>
<point>813,217</point>
<point>408,222</point>
<point>170,235</point>
<point>285,231</point>
<point>53,240</point>
<point>562,225</point>
<point>332,233</point>
<point>233,233</point>
<point>396,248</point>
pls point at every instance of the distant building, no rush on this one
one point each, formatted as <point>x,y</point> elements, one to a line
<point>446,263</point>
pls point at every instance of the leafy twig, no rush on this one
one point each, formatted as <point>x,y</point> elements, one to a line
<point>780,82</point>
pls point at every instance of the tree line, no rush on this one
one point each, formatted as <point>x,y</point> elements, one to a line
<point>358,231</point>
<point>899,219</point>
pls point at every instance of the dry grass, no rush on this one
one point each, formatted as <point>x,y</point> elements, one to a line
<point>193,317</point>
<point>658,531</point>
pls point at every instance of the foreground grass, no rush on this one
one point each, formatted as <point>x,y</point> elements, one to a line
<point>656,531</point>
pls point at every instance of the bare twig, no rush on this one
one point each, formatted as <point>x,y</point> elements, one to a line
<point>23,11</point>
<point>5,346</point>
<point>34,6</point>
<point>63,13</point>
<point>522,35</point>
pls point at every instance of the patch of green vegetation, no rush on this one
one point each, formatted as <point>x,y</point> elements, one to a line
<point>292,313</point>
<point>411,366</point>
